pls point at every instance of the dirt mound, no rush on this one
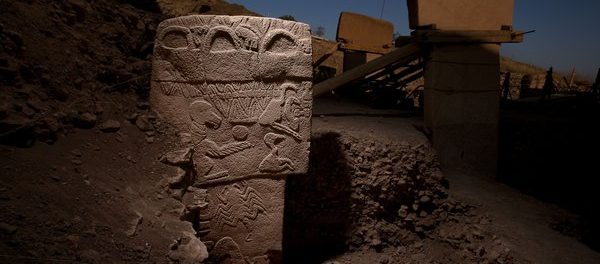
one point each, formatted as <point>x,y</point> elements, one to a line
<point>366,195</point>
<point>64,63</point>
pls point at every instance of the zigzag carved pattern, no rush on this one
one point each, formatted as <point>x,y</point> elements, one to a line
<point>252,202</point>
<point>225,216</point>
<point>226,213</point>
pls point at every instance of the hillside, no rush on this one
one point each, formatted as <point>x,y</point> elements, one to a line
<point>514,66</point>
<point>173,8</point>
<point>508,64</point>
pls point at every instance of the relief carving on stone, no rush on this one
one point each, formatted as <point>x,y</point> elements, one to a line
<point>241,87</point>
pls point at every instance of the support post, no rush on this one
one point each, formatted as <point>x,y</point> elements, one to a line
<point>462,77</point>
<point>462,105</point>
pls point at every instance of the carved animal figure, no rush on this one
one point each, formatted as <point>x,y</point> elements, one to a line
<point>273,162</point>
<point>281,109</point>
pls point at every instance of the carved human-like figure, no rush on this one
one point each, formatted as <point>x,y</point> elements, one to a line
<point>273,162</point>
<point>204,116</point>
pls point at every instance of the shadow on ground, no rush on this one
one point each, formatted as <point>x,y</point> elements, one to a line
<point>317,205</point>
<point>550,150</point>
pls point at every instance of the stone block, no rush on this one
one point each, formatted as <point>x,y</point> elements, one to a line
<point>448,76</point>
<point>321,46</point>
<point>363,33</point>
<point>353,59</point>
<point>462,94</point>
<point>460,14</point>
<point>486,54</point>
<point>455,108</point>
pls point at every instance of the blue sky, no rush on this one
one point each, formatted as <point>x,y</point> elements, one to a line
<point>567,32</point>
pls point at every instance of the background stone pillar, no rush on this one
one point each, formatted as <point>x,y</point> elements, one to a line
<point>239,91</point>
<point>462,104</point>
<point>462,77</point>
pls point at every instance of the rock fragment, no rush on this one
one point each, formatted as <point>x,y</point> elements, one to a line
<point>85,120</point>
<point>134,225</point>
<point>110,126</point>
<point>188,250</point>
<point>181,157</point>
<point>143,123</point>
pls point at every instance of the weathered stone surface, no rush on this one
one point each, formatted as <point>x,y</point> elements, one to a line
<point>243,219</point>
<point>241,87</point>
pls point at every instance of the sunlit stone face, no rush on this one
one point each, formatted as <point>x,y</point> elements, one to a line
<point>241,87</point>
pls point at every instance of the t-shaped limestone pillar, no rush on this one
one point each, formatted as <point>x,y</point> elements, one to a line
<point>241,88</point>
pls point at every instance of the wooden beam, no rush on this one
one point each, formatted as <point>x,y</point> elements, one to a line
<point>392,68</point>
<point>401,55</point>
<point>468,36</point>
<point>411,78</point>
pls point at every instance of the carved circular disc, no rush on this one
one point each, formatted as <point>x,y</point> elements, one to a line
<point>240,133</point>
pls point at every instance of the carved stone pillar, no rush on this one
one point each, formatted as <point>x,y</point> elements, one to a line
<point>240,88</point>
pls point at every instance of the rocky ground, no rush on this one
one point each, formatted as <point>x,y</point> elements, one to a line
<point>64,63</point>
<point>81,180</point>
<point>91,197</point>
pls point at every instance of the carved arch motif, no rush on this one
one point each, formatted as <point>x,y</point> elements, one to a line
<point>171,37</point>
<point>279,41</point>
<point>221,39</point>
